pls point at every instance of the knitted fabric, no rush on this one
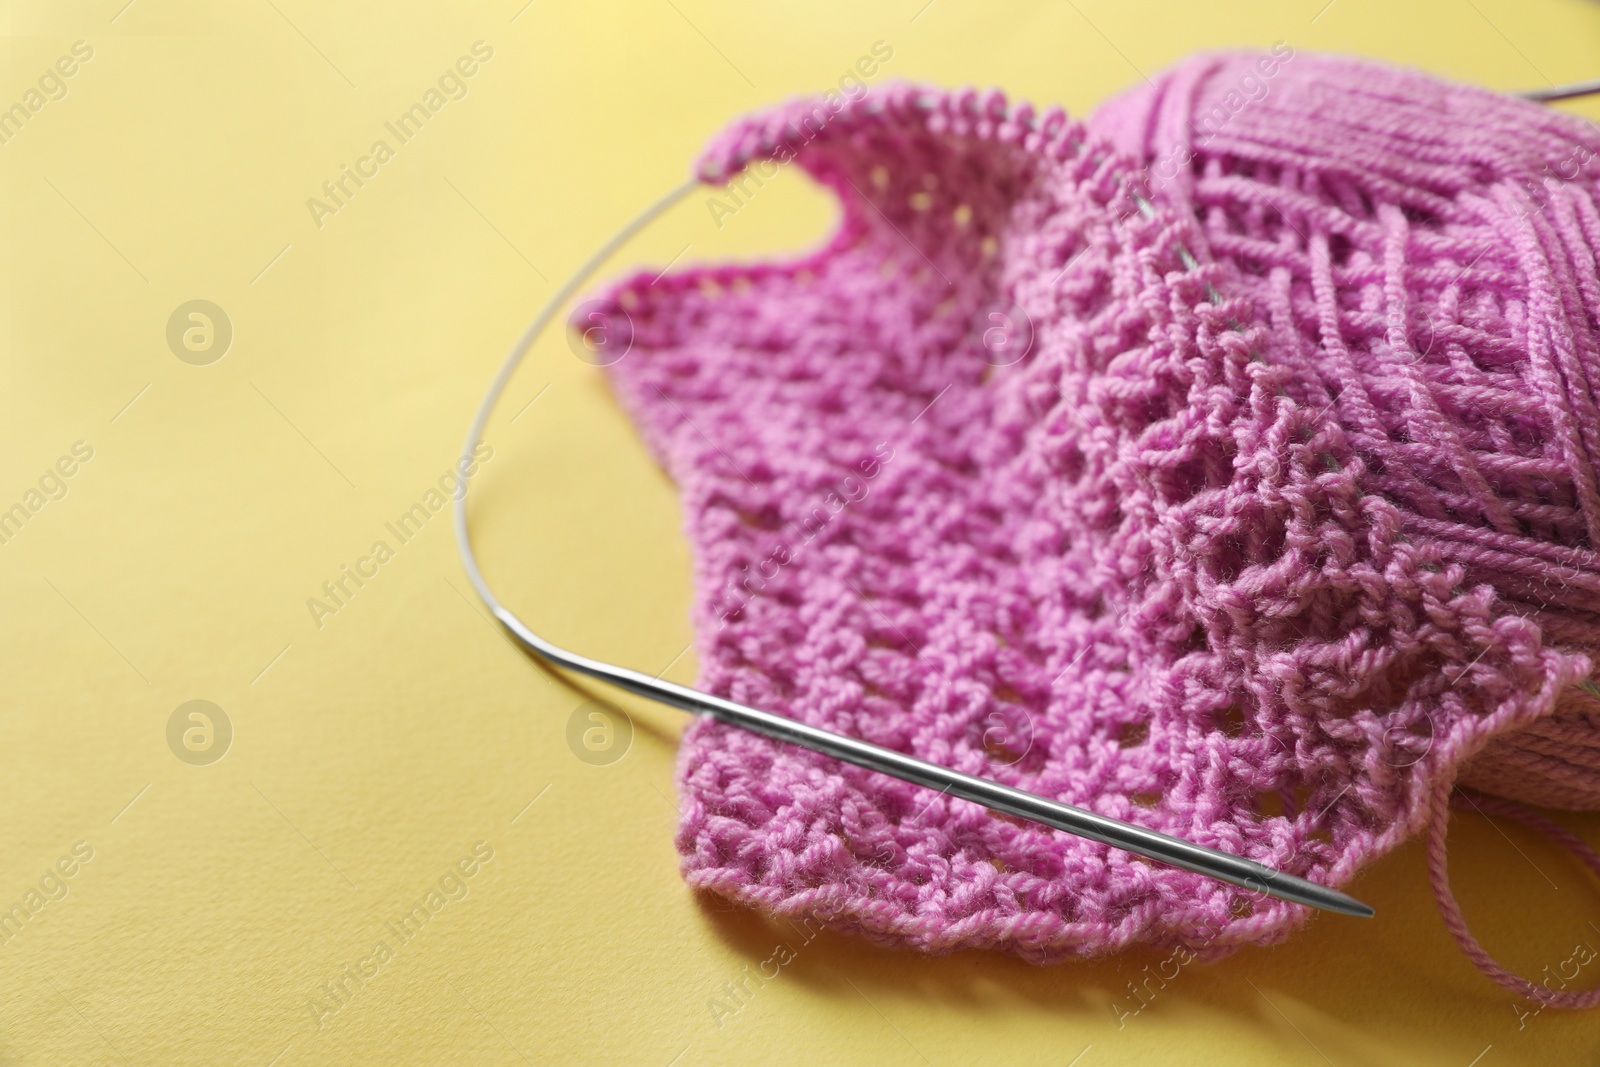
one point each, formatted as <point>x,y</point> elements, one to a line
<point>1284,514</point>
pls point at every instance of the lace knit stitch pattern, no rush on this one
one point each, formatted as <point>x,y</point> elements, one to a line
<point>1286,512</point>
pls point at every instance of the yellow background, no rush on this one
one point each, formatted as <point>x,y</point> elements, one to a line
<point>372,753</point>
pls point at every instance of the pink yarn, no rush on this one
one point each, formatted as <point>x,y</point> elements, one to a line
<point>1258,547</point>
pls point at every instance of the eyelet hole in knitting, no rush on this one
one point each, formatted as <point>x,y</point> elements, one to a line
<point>919,201</point>
<point>883,643</point>
<point>1185,480</point>
<point>1228,558</point>
<point>1272,536</point>
<point>1269,805</point>
<point>1321,833</point>
<point>1233,720</point>
<point>1133,734</point>
<point>962,215</point>
<point>1145,799</point>
<point>765,519</point>
<point>880,177</point>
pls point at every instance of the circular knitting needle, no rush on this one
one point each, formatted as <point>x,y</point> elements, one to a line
<point>1164,848</point>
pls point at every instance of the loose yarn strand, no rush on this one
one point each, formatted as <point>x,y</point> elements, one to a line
<point>1439,875</point>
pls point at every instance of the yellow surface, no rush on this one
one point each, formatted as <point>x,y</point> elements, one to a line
<point>373,753</point>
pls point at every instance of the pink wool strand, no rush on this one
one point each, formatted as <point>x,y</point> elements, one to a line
<point>1439,875</point>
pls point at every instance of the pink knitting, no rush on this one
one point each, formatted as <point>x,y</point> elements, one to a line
<point>1256,546</point>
